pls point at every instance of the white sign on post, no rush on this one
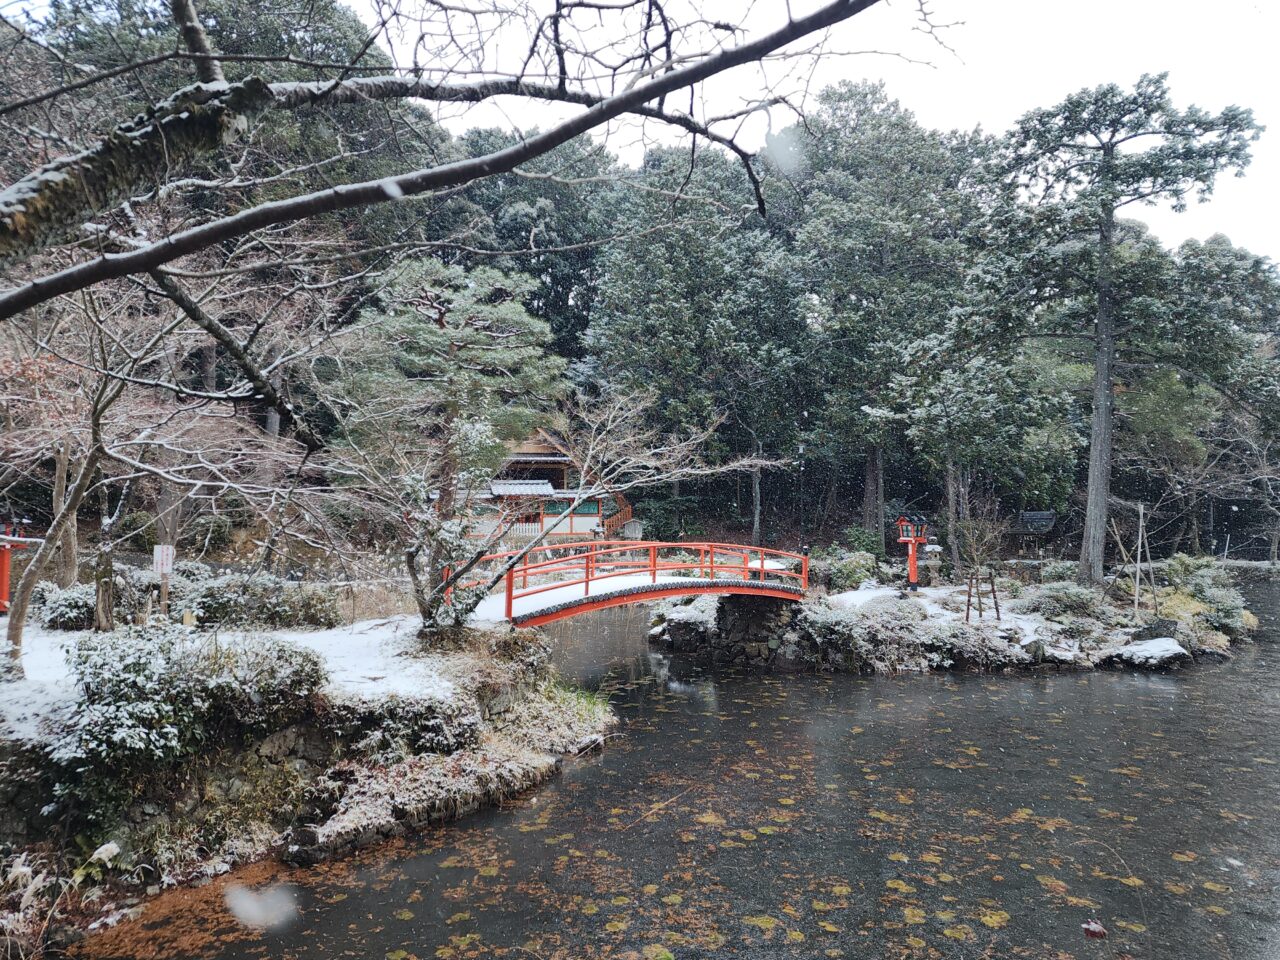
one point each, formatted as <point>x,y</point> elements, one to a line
<point>162,559</point>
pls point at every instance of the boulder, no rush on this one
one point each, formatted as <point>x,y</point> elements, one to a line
<point>1156,653</point>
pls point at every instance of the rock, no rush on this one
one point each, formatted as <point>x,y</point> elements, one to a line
<point>1152,654</point>
<point>279,745</point>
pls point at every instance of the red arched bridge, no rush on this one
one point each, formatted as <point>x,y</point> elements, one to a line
<point>557,581</point>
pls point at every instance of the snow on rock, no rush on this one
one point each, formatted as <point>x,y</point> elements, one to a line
<point>1150,654</point>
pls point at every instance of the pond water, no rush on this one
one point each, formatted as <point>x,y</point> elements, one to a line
<point>800,816</point>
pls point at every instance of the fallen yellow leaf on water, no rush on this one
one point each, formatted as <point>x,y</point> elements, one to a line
<point>711,819</point>
<point>1216,887</point>
<point>946,916</point>
<point>1132,882</point>
<point>617,926</point>
<point>1178,888</point>
<point>1184,856</point>
<point>795,936</point>
<point>763,922</point>
<point>672,899</point>
<point>458,918</point>
<point>786,801</point>
<point>900,885</point>
<point>930,858</point>
<point>915,942</point>
<point>913,914</point>
<point>1052,884</point>
<point>828,926</point>
<point>403,914</point>
<point>1082,902</point>
<point>656,951</point>
<point>946,878</point>
<point>1216,910</point>
<point>899,857</point>
<point>962,933</point>
<point>1131,925</point>
<point>995,919</point>
<point>650,888</point>
<point>619,900</point>
<point>841,890</point>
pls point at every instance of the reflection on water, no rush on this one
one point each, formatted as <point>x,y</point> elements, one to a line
<point>800,816</point>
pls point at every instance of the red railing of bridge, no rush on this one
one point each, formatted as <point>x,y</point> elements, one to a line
<point>557,566</point>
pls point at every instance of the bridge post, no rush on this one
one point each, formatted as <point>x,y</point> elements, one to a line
<point>653,564</point>
<point>804,567</point>
<point>511,586</point>
<point>586,584</point>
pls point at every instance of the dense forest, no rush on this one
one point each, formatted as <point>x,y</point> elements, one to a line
<point>865,317</point>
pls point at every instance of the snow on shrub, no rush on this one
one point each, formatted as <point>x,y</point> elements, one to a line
<point>1057,601</point>
<point>152,697</point>
<point>237,599</point>
<point>1059,571</point>
<point>69,609</point>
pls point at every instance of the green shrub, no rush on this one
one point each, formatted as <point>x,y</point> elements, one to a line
<point>137,530</point>
<point>208,532</point>
<point>152,697</point>
<point>861,540</point>
<point>237,599</point>
<point>1181,568</point>
<point>67,609</point>
<point>1058,601</point>
<point>849,571</point>
<point>1059,571</point>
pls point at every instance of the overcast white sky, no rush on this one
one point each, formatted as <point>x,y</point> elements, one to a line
<point>1013,55</point>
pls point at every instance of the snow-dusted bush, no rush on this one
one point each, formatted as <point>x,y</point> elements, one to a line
<point>1059,571</point>
<point>394,728</point>
<point>236,599</point>
<point>1224,605</point>
<point>1056,601</point>
<point>151,697</point>
<point>1181,569</point>
<point>261,684</point>
<point>1205,595</point>
<point>191,571</point>
<point>69,609</point>
<point>139,710</point>
<point>850,570</point>
<point>209,531</point>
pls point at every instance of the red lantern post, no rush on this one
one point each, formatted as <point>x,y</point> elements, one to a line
<point>11,538</point>
<point>913,530</point>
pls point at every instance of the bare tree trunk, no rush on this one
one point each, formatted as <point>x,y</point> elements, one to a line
<point>30,577</point>
<point>169,514</point>
<point>66,566</point>
<point>953,530</point>
<point>1275,544</point>
<point>873,494</point>
<point>1195,529</point>
<point>1094,541</point>
<point>755,505</point>
<point>209,367</point>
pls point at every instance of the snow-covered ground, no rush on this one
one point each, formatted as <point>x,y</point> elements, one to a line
<point>46,690</point>
<point>377,658</point>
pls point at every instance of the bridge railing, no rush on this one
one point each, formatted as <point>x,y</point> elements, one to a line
<point>559,566</point>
